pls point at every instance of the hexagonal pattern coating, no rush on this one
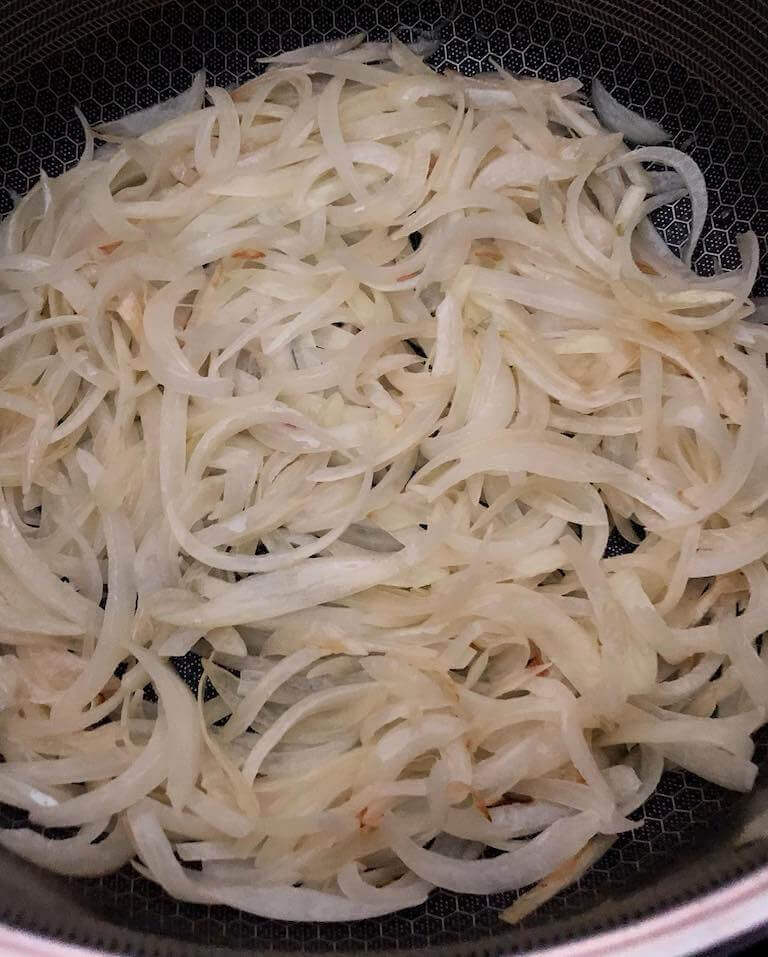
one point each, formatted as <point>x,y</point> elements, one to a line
<point>151,50</point>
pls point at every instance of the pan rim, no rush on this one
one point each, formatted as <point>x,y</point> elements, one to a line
<point>706,923</point>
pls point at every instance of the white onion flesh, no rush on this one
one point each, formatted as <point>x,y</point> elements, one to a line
<point>618,118</point>
<point>244,402</point>
<point>136,124</point>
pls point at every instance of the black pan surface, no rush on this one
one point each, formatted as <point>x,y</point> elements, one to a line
<point>697,67</point>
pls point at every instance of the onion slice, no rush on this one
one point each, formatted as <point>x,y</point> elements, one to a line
<point>618,118</point>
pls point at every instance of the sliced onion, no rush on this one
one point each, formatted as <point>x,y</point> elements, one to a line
<point>307,386</point>
<point>329,48</point>
<point>75,856</point>
<point>631,125</point>
<point>142,121</point>
<point>539,857</point>
<point>694,182</point>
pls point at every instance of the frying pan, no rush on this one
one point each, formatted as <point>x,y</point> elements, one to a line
<point>696,872</point>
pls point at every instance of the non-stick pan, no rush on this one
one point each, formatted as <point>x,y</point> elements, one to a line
<point>696,872</point>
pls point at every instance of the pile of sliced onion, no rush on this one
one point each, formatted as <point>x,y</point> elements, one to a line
<point>341,383</point>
